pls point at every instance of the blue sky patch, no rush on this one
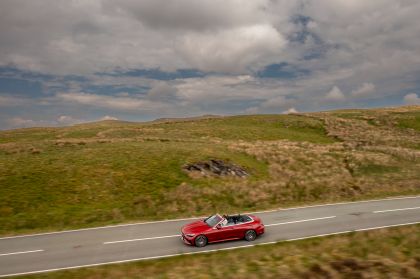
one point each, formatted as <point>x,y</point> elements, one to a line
<point>282,71</point>
<point>158,74</point>
<point>20,86</point>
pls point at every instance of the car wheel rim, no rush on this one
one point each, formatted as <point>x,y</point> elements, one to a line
<point>251,236</point>
<point>200,241</point>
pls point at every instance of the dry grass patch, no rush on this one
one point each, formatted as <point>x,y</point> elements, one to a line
<point>310,172</point>
<point>111,171</point>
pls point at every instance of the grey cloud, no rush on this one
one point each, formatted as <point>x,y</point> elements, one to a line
<point>370,50</point>
<point>12,101</point>
<point>162,92</point>
<point>274,105</point>
<point>365,89</point>
<point>81,37</point>
<point>110,102</point>
<point>375,38</point>
<point>19,122</point>
<point>233,50</point>
<point>190,15</point>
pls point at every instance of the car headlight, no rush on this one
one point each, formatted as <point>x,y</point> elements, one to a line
<point>190,235</point>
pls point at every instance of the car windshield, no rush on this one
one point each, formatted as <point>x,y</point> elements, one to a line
<point>213,220</point>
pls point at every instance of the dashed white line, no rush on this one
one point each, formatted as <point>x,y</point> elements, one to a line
<point>300,221</point>
<point>200,252</point>
<point>333,204</point>
<point>197,217</point>
<point>140,239</point>
<point>22,252</point>
<point>177,235</point>
<point>398,209</point>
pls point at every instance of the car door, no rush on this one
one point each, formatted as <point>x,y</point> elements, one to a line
<point>217,234</point>
<point>229,231</point>
<point>241,226</point>
<point>237,230</point>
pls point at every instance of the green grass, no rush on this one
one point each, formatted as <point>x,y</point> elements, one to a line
<point>80,185</point>
<point>374,169</point>
<point>385,253</point>
<point>409,120</point>
<point>251,128</point>
<point>111,171</point>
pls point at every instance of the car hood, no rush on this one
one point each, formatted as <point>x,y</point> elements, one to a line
<point>195,227</point>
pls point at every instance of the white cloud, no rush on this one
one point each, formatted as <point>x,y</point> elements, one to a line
<point>11,101</point>
<point>273,105</point>
<point>290,111</point>
<point>68,120</point>
<point>377,38</point>
<point>335,95</point>
<point>233,50</point>
<point>104,35</point>
<point>107,117</point>
<point>20,122</point>
<point>277,103</point>
<point>364,90</point>
<point>110,102</point>
<point>369,50</point>
<point>412,99</point>
<point>62,120</point>
<point>373,38</point>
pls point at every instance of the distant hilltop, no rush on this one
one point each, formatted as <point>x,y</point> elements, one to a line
<point>177,119</point>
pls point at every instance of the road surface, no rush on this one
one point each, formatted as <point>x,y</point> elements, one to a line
<point>123,243</point>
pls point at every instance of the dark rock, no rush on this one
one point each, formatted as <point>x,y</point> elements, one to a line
<point>217,167</point>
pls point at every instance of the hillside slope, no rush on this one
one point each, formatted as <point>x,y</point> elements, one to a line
<point>112,171</point>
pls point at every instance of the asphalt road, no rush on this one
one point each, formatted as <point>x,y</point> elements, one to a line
<point>114,244</point>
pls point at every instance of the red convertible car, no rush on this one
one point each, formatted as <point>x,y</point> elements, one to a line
<point>217,228</point>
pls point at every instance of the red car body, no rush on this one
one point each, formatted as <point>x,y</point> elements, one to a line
<point>217,228</point>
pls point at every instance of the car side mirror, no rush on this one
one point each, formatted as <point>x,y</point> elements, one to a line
<point>218,226</point>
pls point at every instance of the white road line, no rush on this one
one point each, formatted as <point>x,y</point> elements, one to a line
<point>333,204</point>
<point>201,252</point>
<point>177,235</point>
<point>398,209</point>
<point>140,239</point>
<point>103,227</point>
<point>23,252</point>
<point>300,221</point>
<point>191,218</point>
<point>383,227</point>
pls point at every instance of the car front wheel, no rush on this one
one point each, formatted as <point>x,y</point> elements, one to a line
<point>250,235</point>
<point>200,241</point>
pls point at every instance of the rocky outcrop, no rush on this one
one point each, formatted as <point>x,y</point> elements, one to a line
<point>216,167</point>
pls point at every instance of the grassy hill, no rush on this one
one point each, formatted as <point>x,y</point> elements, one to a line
<point>113,171</point>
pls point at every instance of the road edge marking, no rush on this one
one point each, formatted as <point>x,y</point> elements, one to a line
<point>332,204</point>
<point>22,252</point>
<point>206,251</point>
<point>178,235</point>
<point>300,221</point>
<point>198,217</point>
<point>141,239</point>
<point>397,209</point>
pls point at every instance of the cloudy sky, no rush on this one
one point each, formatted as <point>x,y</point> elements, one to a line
<point>64,62</point>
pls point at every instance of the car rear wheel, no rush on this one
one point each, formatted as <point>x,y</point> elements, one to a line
<point>200,241</point>
<point>250,235</point>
